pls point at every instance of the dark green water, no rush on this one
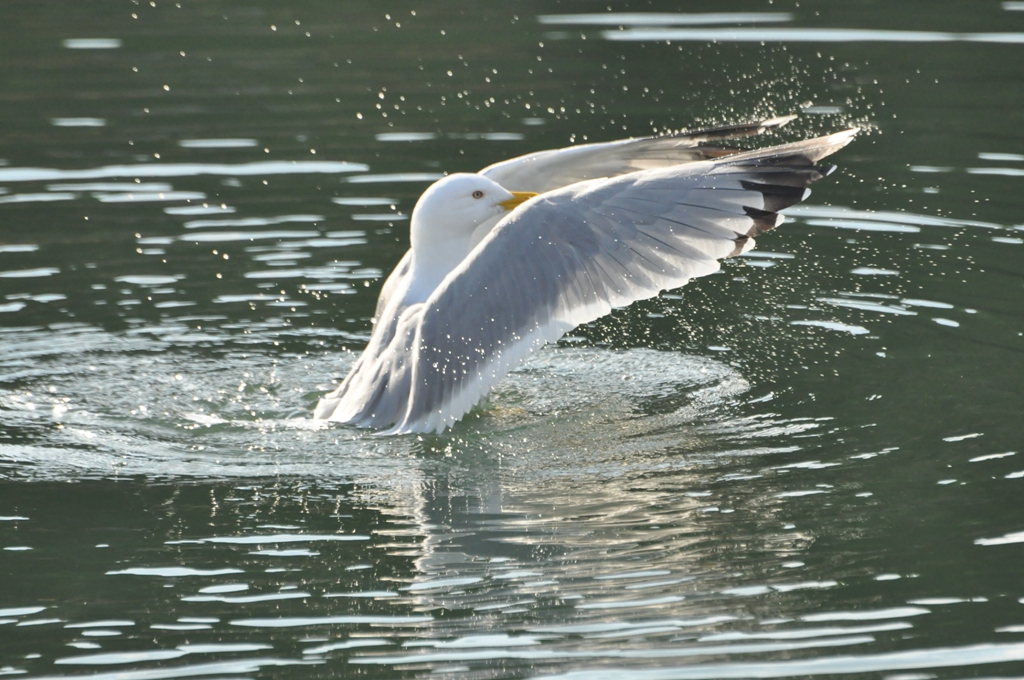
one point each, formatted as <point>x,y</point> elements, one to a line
<point>809,465</point>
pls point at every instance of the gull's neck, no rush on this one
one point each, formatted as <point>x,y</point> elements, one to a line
<point>435,253</point>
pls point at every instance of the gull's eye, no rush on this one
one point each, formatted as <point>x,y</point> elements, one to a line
<point>478,194</point>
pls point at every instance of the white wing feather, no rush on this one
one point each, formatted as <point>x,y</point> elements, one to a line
<point>556,168</point>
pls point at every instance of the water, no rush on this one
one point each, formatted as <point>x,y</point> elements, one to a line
<point>809,465</point>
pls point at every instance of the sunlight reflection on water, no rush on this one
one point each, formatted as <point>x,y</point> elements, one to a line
<point>793,468</point>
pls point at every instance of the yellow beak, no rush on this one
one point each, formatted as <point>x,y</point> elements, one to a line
<point>518,197</point>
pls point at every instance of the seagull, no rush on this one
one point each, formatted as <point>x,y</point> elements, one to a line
<point>493,274</point>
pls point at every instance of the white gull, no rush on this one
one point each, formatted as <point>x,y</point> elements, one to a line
<point>493,274</point>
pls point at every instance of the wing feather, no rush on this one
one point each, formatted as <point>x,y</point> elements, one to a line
<point>556,168</point>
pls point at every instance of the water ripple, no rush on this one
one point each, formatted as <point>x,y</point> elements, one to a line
<point>660,653</point>
<point>942,657</point>
<point>816,35</point>
<point>13,174</point>
<point>663,18</point>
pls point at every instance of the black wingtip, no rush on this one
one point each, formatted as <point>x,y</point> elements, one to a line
<point>764,220</point>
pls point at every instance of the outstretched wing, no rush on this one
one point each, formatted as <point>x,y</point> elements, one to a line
<point>556,168</point>
<point>570,256</point>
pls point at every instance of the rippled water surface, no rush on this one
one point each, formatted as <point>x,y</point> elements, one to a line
<point>808,465</point>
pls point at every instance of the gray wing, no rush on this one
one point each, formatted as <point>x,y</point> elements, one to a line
<point>570,256</point>
<point>547,170</point>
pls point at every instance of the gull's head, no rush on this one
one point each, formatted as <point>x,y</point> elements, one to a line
<point>453,207</point>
